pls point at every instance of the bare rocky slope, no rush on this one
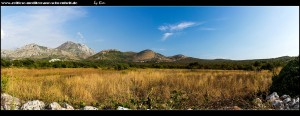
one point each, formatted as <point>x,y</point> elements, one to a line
<point>149,55</point>
<point>143,56</point>
<point>80,50</point>
<point>68,50</point>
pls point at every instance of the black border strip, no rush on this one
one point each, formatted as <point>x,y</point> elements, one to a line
<point>149,2</point>
<point>154,112</point>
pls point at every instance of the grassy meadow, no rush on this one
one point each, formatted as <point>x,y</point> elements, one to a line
<point>138,88</point>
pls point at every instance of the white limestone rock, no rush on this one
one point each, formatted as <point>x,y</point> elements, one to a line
<point>9,103</point>
<point>33,105</point>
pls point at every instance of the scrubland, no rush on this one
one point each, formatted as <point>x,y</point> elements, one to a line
<point>138,88</point>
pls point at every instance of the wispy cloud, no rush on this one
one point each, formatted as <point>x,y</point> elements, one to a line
<point>163,28</point>
<point>81,37</point>
<point>179,26</point>
<point>41,25</point>
<point>182,25</point>
<point>166,35</point>
<point>170,30</point>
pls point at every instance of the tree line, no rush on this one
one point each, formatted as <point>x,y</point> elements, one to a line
<point>252,65</point>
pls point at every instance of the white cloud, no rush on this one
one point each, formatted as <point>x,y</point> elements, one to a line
<point>166,35</point>
<point>176,27</point>
<point>80,35</point>
<point>163,28</point>
<point>40,25</point>
<point>182,25</point>
<point>170,30</point>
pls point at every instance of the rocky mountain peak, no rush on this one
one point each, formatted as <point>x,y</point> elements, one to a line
<point>177,57</point>
<point>68,50</point>
<point>70,42</point>
<point>109,50</point>
<point>80,50</point>
<point>30,45</point>
<point>149,55</point>
<point>67,44</point>
<point>147,51</point>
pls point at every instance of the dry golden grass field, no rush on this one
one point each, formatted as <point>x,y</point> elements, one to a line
<point>138,88</point>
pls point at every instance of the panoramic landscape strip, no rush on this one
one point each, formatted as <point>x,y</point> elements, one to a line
<point>150,58</point>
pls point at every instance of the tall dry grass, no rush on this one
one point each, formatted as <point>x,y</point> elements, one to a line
<point>137,89</point>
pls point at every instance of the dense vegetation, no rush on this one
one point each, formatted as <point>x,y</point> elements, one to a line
<point>287,82</point>
<point>253,65</point>
<point>138,88</point>
<point>172,85</point>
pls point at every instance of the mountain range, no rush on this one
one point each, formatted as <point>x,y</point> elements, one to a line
<point>143,56</point>
<point>76,51</point>
<point>68,50</point>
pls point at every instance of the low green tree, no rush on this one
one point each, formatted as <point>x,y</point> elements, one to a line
<point>287,82</point>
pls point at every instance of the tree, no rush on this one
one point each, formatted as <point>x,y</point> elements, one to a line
<point>257,66</point>
<point>193,65</point>
<point>287,82</point>
<point>5,63</point>
<point>270,66</point>
<point>57,64</point>
<point>28,63</point>
<point>17,63</point>
<point>121,66</point>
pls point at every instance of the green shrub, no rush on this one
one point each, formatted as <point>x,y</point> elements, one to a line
<point>287,82</point>
<point>82,104</point>
<point>121,66</point>
<point>4,83</point>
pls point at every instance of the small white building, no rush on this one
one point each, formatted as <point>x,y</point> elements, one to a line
<point>54,60</point>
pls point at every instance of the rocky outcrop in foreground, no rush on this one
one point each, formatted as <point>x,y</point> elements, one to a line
<point>11,103</point>
<point>273,101</point>
<point>33,105</point>
<point>285,102</point>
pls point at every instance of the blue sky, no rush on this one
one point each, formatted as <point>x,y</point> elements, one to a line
<point>207,32</point>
